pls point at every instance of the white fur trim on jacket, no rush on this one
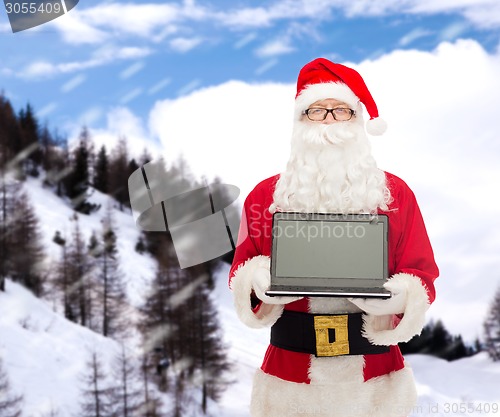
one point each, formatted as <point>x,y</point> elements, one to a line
<point>241,285</point>
<point>380,330</point>
<point>391,395</point>
<point>314,92</point>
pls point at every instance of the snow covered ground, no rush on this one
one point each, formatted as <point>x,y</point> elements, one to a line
<point>44,354</point>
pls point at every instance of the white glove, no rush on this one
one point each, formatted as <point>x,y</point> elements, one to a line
<point>381,307</point>
<point>261,282</point>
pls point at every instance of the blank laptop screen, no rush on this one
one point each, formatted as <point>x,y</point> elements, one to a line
<point>329,248</point>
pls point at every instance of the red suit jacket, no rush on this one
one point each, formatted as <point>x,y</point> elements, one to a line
<point>409,250</point>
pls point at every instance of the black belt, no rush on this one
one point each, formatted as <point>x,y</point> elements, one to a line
<point>322,335</point>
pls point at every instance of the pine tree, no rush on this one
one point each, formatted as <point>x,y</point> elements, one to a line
<point>77,182</point>
<point>159,321</point>
<point>181,319</point>
<point>119,172</point>
<point>26,248</point>
<point>492,328</point>
<point>30,134</point>
<point>9,189</point>
<point>96,401</point>
<point>140,246</point>
<point>419,343</point>
<point>110,287</point>
<point>10,404</point>
<point>94,250</point>
<point>151,404</point>
<point>10,133</point>
<point>56,162</point>
<point>78,278</point>
<point>64,280</point>
<point>47,148</point>
<point>5,231</point>
<point>437,341</point>
<point>126,394</point>
<point>101,171</point>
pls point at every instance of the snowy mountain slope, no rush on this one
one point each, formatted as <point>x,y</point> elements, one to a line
<point>54,214</point>
<point>45,354</point>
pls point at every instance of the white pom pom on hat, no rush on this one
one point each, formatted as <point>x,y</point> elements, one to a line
<point>376,127</point>
<point>321,79</point>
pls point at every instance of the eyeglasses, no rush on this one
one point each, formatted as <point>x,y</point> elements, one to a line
<point>318,114</point>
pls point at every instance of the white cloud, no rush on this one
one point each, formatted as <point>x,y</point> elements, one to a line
<point>482,13</point>
<point>5,28</point>
<point>189,87</point>
<point>102,56</point>
<point>131,95</point>
<point>116,20</point>
<point>76,30</point>
<point>101,22</point>
<point>246,17</point>
<point>90,116</point>
<point>266,66</point>
<point>38,68</point>
<point>234,130</point>
<point>109,53</point>
<point>184,44</point>
<point>413,35</point>
<point>73,83</point>
<point>275,47</point>
<point>485,17</point>
<point>283,43</point>
<point>113,21</point>
<point>453,31</point>
<point>46,110</point>
<point>245,40</point>
<point>159,86</point>
<point>131,70</point>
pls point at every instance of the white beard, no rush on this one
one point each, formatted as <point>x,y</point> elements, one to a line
<point>331,169</point>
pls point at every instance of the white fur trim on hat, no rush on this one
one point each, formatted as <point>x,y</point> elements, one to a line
<point>314,92</point>
<point>267,314</point>
<point>380,330</point>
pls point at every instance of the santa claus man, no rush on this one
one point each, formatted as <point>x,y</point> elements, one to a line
<point>331,170</point>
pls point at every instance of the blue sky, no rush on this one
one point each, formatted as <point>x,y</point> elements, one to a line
<point>104,54</point>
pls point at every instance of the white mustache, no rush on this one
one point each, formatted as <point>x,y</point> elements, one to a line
<point>337,133</point>
<point>334,134</point>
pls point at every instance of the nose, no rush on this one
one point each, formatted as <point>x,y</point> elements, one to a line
<point>329,119</point>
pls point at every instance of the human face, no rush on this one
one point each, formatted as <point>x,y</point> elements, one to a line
<point>328,103</point>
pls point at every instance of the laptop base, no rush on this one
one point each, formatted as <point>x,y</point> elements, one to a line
<point>329,292</point>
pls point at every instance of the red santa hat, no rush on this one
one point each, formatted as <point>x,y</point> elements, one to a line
<point>321,79</point>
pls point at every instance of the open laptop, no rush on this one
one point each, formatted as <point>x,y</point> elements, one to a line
<point>333,255</point>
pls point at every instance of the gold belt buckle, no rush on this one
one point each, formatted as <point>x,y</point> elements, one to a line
<point>322,325</point>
